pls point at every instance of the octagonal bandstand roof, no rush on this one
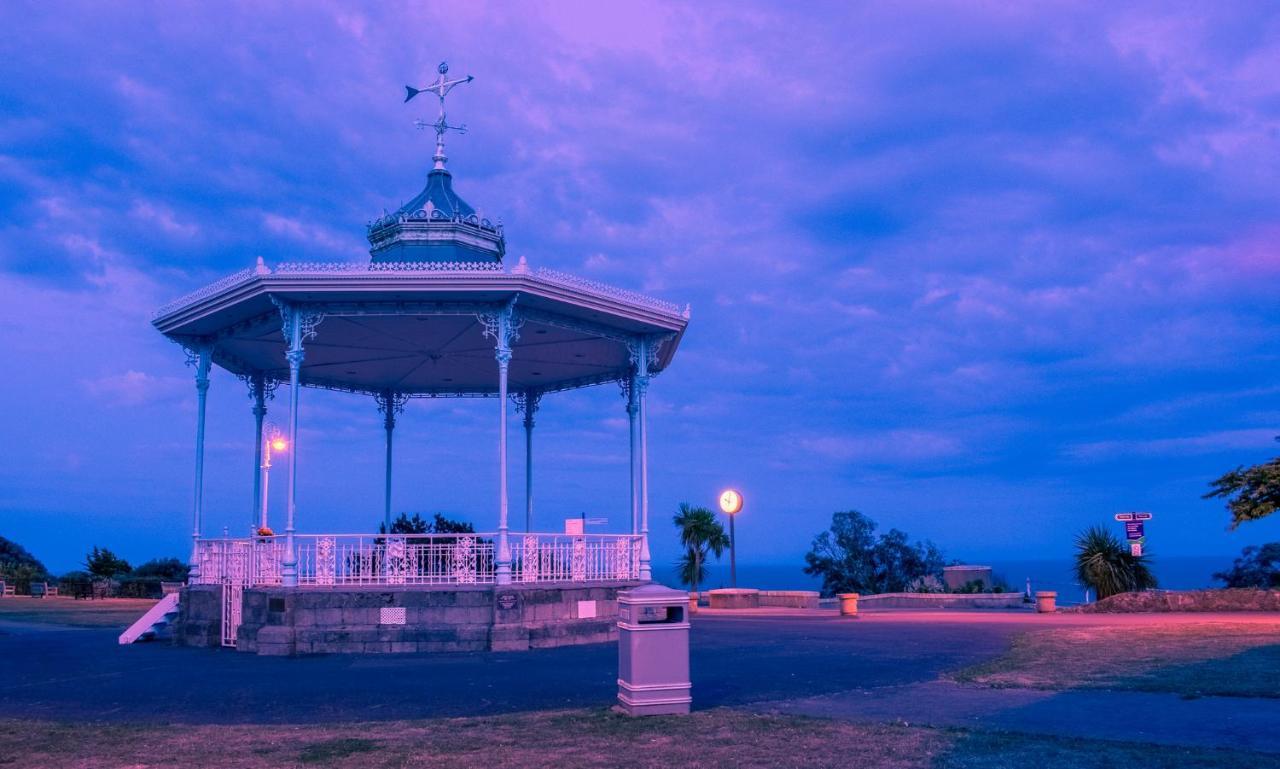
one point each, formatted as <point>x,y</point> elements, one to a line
<point>418,329</point>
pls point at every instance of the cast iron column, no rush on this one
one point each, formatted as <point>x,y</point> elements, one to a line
<point>203,359</point>
<point>295,355</point>
<point>258,388</point>
<point>530,406</point>
<point>633,408</point>
<point>642,387</point>
<point>503,575</point>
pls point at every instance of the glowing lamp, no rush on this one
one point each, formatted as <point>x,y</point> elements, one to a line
<point>730,501</point>
<point>278,444</point>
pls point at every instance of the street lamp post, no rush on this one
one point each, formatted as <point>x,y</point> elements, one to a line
<point>276,443</point>
<point>731,505</point>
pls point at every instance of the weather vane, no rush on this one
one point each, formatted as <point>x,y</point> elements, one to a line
<point>441,88</point>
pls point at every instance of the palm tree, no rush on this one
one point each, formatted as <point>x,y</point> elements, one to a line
<point>700,533</point>
<point>1105,565</point>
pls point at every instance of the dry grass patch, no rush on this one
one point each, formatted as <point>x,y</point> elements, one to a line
<point>563,739</point>
<point>1192,659</point>
<point>579,739</point>
<point>106,612</point>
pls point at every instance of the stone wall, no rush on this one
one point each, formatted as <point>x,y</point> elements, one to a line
<point>790,599</point>
<point>386,619</point>
<point>1237,599</point>
<point>940,601</point>
<point>199,620</point>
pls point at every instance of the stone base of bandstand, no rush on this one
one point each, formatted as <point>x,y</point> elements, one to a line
<point>399,619</point>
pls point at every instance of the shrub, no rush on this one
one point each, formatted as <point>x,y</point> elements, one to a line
<point>1105,565</point>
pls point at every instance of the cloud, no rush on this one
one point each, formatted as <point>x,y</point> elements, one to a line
<point>888,447</point>
<point>957,237</point>
<point>1207,443</point>
<point>133,388</point>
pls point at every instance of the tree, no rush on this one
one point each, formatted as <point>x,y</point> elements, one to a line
<point>851,559</point>
<point>1251,492</point>
<point>439,524</point>
<point>19,567</point>
<point>700,534</point>
<point>164,569</point>
<point>104,564</point>
<point>1256,567</point>
<point>1106,566</point>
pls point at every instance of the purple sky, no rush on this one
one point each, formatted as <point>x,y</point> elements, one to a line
<point>988,273</point>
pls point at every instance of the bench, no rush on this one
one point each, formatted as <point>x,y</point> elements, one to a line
<point>39,589</point>
<point>168,588</point>
<point>6,588</point>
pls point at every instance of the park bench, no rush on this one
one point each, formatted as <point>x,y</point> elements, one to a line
<point>6,588</point>
<point>39,589</point>
<point>168,588</point>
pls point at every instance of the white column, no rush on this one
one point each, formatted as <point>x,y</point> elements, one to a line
<point>642,387</point>
<point>295,355</point>
<point>503,575</point>
<point>203,359</point>
<point>258,386</point>
<point>503,325</point>
<point>633,409</point>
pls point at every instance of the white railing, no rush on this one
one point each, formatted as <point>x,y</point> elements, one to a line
<point>326,560</point>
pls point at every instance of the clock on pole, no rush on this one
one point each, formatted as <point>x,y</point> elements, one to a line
<point>731,505</point>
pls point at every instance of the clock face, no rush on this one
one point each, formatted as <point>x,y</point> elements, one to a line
<point>730,501</point>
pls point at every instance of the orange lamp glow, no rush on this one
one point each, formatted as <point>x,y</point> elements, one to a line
<point>278,444</point>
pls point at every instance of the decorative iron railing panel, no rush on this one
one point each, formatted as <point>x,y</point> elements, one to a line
<point>326,560</point>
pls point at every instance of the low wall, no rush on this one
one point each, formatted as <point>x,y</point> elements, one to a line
<point>940,601</point>
<point>733,598</point>
<point>1226,600</point>
<point>383,619</point>
<point>790,599</point>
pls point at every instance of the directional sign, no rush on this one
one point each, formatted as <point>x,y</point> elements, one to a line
<point>1142,516</point>
<point>1124,516</point>
<point>1133,530</point>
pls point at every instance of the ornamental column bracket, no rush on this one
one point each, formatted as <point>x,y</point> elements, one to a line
<point>308,319</point>
<point>526,403</point>
<point>390,404</point>
<point>503,324</point>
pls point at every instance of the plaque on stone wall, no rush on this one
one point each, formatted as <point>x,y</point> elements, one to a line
<point>508,601</point>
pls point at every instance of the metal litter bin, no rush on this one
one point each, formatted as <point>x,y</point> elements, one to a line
<point>653,651</point>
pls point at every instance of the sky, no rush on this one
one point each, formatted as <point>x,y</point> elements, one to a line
<point>987,272</point>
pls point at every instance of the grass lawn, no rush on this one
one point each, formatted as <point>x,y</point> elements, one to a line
<point>106,612</point>
<point>581,738</point>
<point>1191,659</point>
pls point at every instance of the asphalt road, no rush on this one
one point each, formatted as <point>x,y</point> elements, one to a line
<point>60,673</point>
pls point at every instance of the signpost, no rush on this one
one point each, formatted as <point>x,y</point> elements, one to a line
<point>1134,531</point>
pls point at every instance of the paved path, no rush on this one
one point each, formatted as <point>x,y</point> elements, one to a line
<point>881,667</point>
<point>60,673</point>
<point>1242,723</point>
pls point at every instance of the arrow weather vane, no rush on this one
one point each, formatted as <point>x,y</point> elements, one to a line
<point>440,88</point>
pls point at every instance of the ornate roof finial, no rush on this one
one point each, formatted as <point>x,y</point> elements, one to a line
<point>441,88</point>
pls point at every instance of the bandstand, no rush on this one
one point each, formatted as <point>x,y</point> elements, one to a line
<point>434,313</point>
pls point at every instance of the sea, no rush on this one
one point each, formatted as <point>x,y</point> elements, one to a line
<point>1172,573</point>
